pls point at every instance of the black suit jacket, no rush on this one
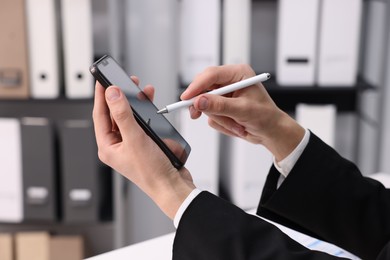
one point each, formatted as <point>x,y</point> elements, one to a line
<point>324,196</point>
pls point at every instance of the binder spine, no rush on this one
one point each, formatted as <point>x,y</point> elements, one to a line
<point>244,167</point>
<point>39,170</point>
<point>236,31</point>
<point>14,77</point>
<point>11,182</point>
<point>298,24</point>
<point>78,47</point>
<point>320,119</point>
<point>204,161</point>
<point>43,48</point>
<point>86,185</point>
<point>339,42</point>
<point>200,37</point>
<point>152,36</point>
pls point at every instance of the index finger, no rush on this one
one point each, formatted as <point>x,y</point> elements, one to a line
<point>215,77</point>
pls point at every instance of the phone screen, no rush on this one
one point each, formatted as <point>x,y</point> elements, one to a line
<point>108,72</point>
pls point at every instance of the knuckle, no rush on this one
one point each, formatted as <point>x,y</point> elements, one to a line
<point>217,105</point>
<point>246,69</point>
<point>210,70</point>
<point>120,115</point>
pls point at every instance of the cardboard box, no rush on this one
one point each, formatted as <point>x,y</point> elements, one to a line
<point>6,247</point>
<point>42,246</point>
<point>32,246</point>
<point>66,248</point>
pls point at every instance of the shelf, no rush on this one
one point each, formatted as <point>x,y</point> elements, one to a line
<point>345,98</point>
<point>61,108</point>
<point>286,97</point>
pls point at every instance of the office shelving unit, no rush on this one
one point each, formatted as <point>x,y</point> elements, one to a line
<point>58,110</point>
<point>346,99</point>
<point>110,234</point>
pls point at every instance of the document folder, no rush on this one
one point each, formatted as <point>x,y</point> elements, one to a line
<point>39,170</point>
<point>78,47</point>
<point>339,42</point>
<point>297,42</point>
<point>14,78</point>
<point>199,36</point>
<point>43,48</point>
<point>86,186</point>
<point>152,38</point>
<point>236,31</point>
<point>320,119</point>
<point>244,168</point>
<point>204,160</point>
<point>11,182</point>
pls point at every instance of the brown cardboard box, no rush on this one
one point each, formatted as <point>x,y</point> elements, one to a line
<point>6,247</point>
<point>66,248</point>
<point>42,246</point>
<point>32,246</point>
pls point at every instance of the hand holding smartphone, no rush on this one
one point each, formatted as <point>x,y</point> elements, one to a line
<point>108,72</point>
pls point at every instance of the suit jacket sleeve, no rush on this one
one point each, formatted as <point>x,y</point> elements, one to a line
<point>214,229</point>
<point>326,196</point>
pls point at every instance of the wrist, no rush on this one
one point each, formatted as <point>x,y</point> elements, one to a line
<point>169,193</point>
<point>285,136</point>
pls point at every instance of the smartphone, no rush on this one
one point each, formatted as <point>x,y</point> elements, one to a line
<point>108,72</point>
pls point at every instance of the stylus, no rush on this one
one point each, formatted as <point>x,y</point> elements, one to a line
<point>219,91</point>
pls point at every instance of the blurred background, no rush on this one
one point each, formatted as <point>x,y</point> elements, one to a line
<point>330,66</point>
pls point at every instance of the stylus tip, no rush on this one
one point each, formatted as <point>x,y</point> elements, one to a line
<point>162,111</point>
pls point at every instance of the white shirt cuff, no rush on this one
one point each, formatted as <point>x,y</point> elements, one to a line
<point>184,206</point>
<point>286,165</point>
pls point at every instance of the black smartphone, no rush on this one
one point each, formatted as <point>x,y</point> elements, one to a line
<point>108,72</point>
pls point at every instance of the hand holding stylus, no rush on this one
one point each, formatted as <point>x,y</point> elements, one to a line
<point>220,91</point>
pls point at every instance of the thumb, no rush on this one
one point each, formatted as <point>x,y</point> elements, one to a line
<point>120,110</point>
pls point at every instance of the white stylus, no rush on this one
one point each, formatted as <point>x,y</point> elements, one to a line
<point>219,91</point>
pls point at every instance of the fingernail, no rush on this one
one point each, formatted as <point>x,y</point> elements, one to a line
<point>112,94</point>
<point>203,103</point>
<point>192,110</point>
<point>182,94</point>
